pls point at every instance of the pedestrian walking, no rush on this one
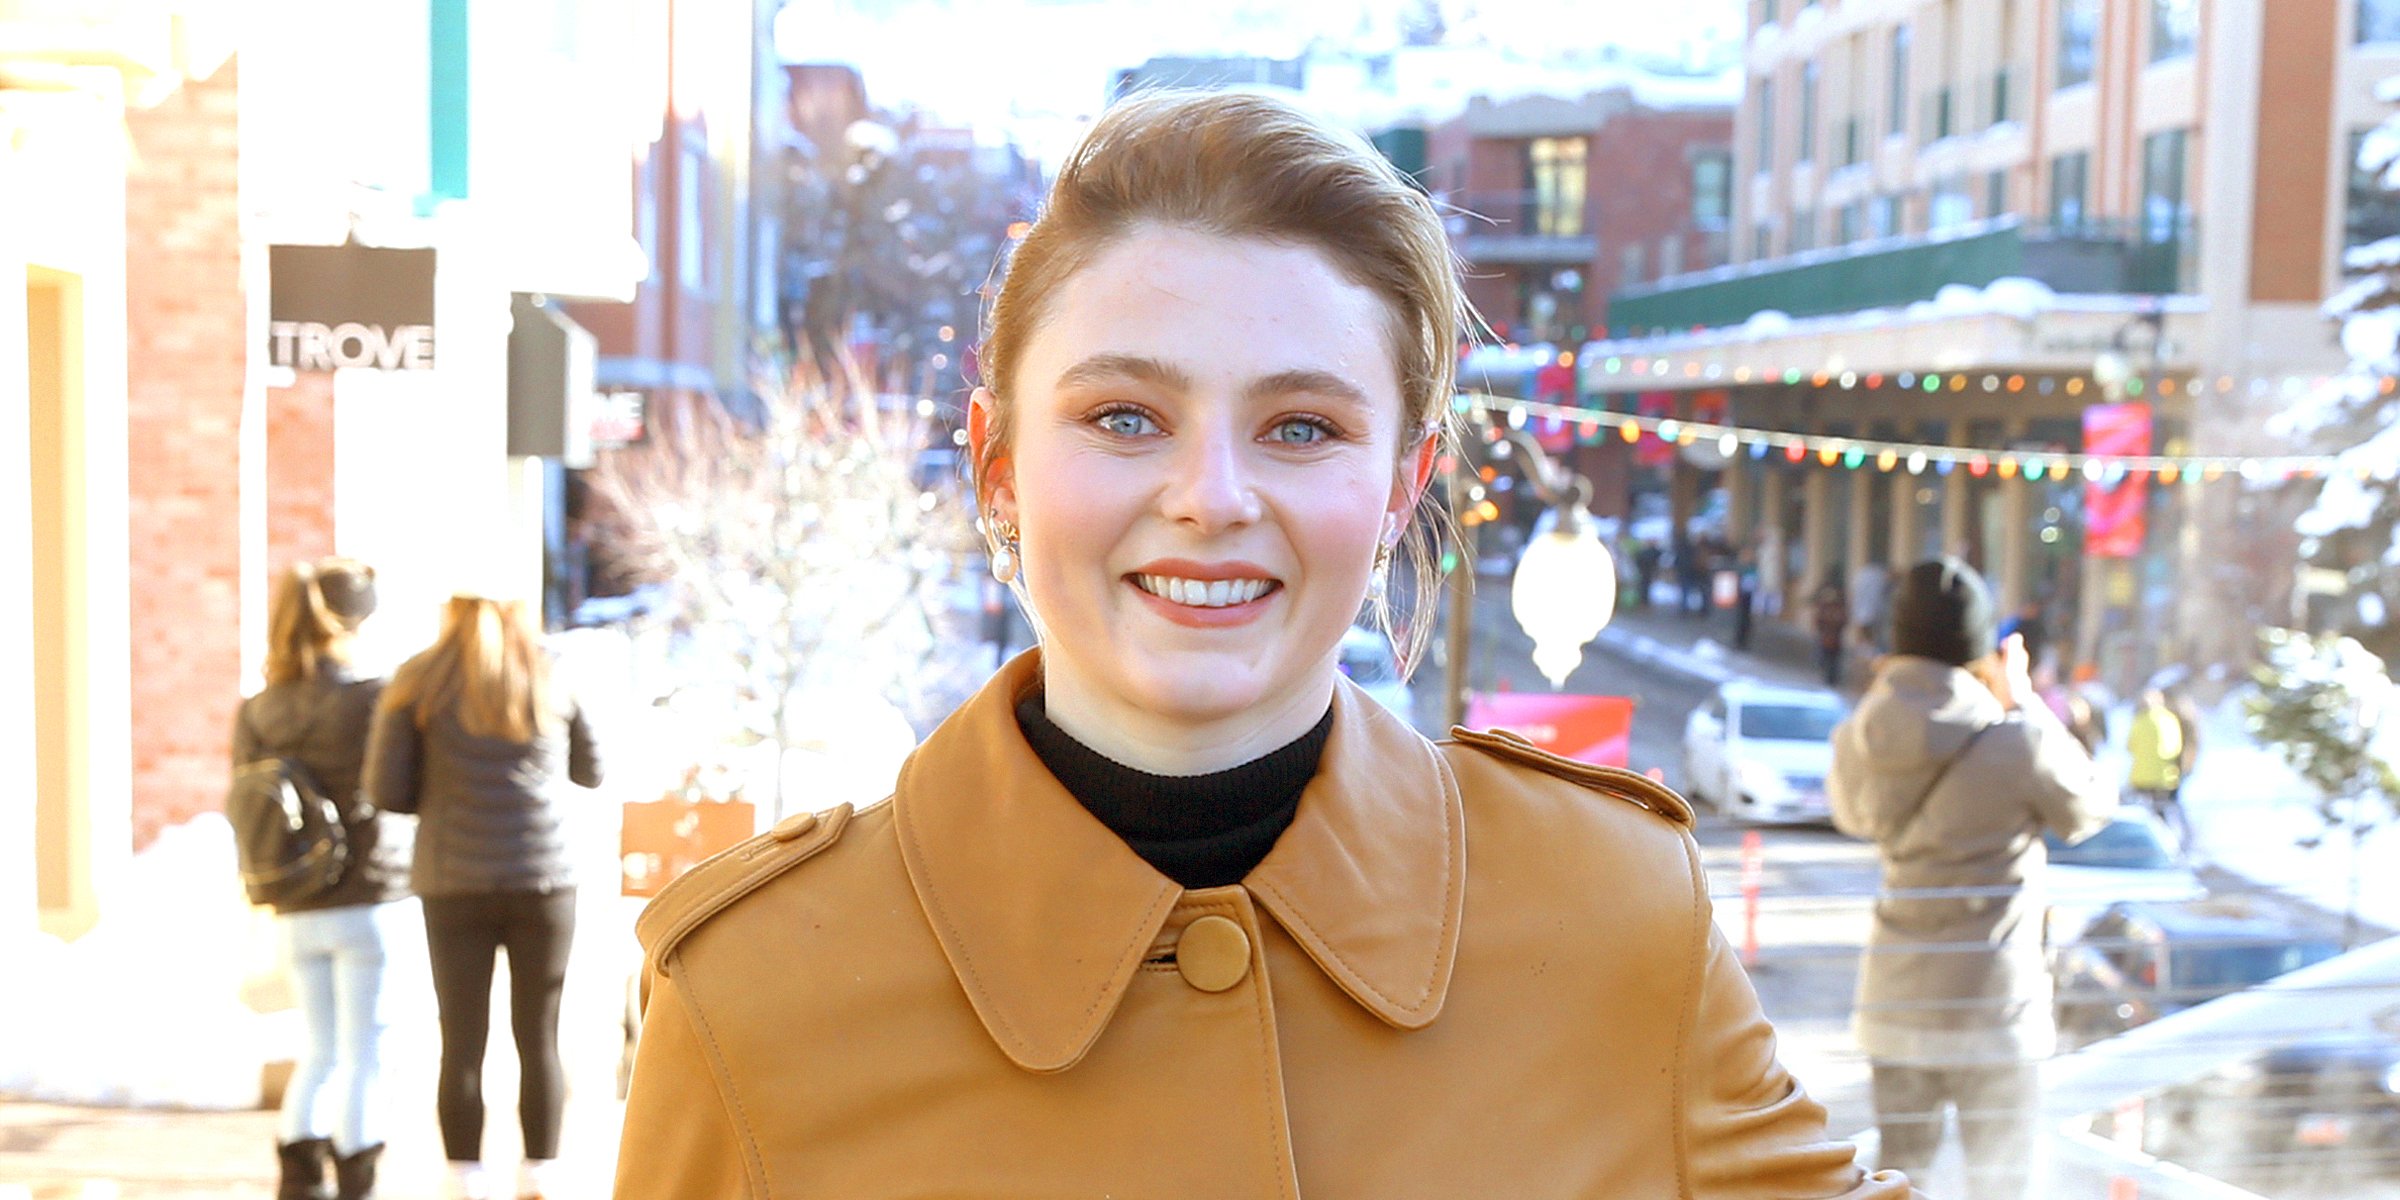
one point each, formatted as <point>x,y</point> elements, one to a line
<point>2154,740</point>
<point>1645,567</point>
<point>1870,586</point>
<point>1171,907</point>
<point>476,738</point>
<point>1829,613</point>
<point>1953,767</point>
<point>314,715</point>
<point>1745,598</point>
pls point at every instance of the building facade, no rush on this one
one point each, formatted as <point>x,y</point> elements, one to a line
<point>1557,203</point>
<point>2020,227</point>
<point>185,437</point>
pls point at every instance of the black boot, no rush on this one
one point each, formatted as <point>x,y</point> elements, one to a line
<point>304,1164</point>
<point>356,1173</point>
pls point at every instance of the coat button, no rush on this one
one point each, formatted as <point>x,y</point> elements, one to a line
<point>1213,953</point>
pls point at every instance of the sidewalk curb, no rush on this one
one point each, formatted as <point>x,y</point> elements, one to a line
<point>1643,648</point>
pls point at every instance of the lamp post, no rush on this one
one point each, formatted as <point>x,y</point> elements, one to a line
<point>1565,587</point>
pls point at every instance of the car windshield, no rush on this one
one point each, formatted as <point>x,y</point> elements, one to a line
<point>1789,722</point>
<point>2121,844</point>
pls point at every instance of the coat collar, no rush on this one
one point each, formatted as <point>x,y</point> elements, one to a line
<point>1045,915</point>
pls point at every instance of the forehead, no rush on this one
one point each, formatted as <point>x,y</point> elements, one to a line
<point>1223,310</point>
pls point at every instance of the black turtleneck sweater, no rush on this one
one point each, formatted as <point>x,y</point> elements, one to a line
<point>1198,830</point>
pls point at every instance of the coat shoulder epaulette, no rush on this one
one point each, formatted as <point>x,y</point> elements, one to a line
<point>718,881</point>
<point>1638,790</point>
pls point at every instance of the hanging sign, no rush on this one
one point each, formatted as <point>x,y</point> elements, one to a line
<point>2114,517</point>
<point>330,307</point>
<point>1592,729</point>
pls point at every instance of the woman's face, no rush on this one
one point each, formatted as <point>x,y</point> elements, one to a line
<point>1206,454</point>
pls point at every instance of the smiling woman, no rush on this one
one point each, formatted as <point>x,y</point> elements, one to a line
<point>1173,907</point>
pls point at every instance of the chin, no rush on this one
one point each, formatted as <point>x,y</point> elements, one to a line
<point>1197,688</point>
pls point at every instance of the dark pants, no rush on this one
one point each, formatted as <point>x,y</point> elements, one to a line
<point>463,932</point>
<point>1995,1122</point>
<point>1829,661</point>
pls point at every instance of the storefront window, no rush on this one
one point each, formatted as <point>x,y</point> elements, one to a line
<point>2070,183</point>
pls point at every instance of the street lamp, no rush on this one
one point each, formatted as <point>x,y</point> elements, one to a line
<point>1564,589</point>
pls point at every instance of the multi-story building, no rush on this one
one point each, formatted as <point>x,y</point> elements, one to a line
<point>1556,203</point>
<point>2175,179</point>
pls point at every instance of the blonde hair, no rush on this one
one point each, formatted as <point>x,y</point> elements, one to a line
<point>488,668</point>
<point>304,633</point>
<point>1237,164</point>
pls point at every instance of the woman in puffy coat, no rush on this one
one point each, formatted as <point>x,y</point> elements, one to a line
<point>475,738</point>
<point>316,710</point>
<point>1170,908</point>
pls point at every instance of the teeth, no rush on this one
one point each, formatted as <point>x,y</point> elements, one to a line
<point>1215,593</point>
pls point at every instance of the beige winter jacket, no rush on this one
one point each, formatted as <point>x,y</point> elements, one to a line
<point>1954,970</point>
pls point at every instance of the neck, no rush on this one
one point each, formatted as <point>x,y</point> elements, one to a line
<point>1163,744</point>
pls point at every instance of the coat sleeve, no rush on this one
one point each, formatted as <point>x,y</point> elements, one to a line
<point>583,754</point>
<point>395,754</point>
<point>1750,1131</point>
<point>2072,797</point>
<point>681,1141</point>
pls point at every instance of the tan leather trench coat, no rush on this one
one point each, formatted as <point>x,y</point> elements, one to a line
<point>1466,970</point>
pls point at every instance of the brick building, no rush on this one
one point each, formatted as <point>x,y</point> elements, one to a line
<point>152,156</point>
<point>1564,201</point>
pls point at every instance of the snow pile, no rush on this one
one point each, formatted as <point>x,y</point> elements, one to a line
<point>147,1009</point>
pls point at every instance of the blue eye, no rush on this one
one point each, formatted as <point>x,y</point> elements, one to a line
<point>1300,432</point>
<point>1126,422</point>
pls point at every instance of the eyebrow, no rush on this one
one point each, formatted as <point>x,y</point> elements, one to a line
<point>1101,368</point>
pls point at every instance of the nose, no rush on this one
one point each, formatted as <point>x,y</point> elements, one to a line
<point>1210,487</point>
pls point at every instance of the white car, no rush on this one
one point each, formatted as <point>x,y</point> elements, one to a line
<point>1368,660</point>
<point>1759,752</point>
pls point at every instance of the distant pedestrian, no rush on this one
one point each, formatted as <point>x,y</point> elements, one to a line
<point>2155,742</point>
<point>1772,572</point>
<point>1645,567</point>
<point>1745,600</point>
<point>315,713</point>
<point>1954,768</point>
<point>1830,613</point>
<point>2085,720</point>
<point>2187,715</point>
<point>475,737</point>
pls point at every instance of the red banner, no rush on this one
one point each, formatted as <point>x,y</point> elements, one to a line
<point>1593,729</point>
<point>2115,519</point>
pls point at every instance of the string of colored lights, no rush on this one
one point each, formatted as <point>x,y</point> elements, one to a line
<point>1662,367</point>
<point>1916,457</point>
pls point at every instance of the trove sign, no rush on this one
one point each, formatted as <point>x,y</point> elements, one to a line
<point>330,307</point>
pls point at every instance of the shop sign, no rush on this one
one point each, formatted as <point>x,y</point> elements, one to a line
<point>350,306</point>
<point>1592,729</point>
<point>617,418</point>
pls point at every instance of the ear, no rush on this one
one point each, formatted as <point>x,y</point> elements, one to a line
<point>1410,481</point>
<point>998,475</point>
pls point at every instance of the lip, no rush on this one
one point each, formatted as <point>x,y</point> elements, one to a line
<point>1206,618</point>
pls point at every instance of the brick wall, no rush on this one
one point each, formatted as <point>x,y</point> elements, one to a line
<point>184,364</point>
<point>299,470</point>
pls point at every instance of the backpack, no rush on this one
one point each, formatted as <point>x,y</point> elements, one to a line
<point>287,833</point>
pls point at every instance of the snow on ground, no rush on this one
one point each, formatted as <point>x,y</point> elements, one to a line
<point>2251,814</point>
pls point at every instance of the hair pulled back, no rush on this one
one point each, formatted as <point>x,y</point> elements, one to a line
<point>1240,164</point>
<point>315,608</point>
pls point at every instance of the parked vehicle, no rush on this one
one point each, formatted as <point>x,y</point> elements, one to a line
<point>1759,752</point>
<point>2143,959</point>
<point>1367,658</point>
<point>2133,857</point>
<point>2319,1117</point>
